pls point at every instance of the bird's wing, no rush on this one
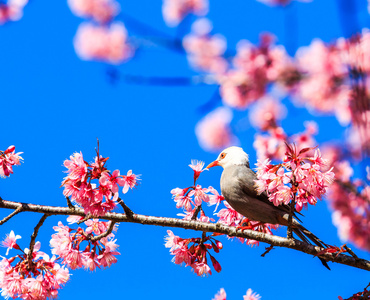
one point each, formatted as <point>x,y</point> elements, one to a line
<point>247,177</point>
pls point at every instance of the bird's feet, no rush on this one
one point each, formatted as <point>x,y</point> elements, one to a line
<point>248,224</point>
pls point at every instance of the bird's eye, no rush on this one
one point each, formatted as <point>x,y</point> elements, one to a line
<point>223,154</point>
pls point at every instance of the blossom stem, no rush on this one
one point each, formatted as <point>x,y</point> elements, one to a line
<point>196,212</point>
<point>33,237</point>
<point>104,234</point>
<point>70,205</point>
<point>129,213</point>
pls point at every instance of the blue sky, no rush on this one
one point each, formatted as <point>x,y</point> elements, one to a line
<point>54,104</point>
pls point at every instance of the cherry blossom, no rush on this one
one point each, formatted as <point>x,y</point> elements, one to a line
<point>251,296</point>
<point>129,181</point>
<point>11,10</point>
<point>103,43</point>
<point>215,198</point>
<point>100,197</point>
<point>221,295</point>
<point>193,252</point>
<point>299,178</point>
<point>32,278</point>
<point>8,159</point>
<point>204,50</point>
<point>69,245</point>
<point>254,68</point>
<point>266,113</point>
<point>174,11</point>
<point>197,167</point>
<point>213,131</point>
<point>10,241</point>
<point>99,10</point>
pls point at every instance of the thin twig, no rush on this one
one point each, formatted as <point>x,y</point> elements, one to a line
<point>87,217</point>
<point>7,218</point>
<point>129,213</point>
<point>349,250</point>
<point>104,234</point>
<point>70,205</point>
<point>268,249</point>
<point>274,240</point>
<point>33,237</point>
<point>196,212</point>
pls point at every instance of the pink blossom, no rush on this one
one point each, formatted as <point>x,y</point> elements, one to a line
<point>201,269</point>
<point>266,113</point>
<point>181,254</point>
<point>99,10</point>
<point>213,131</point>
<point>174,11</point>
<point>182,198</point>
<point>103,43</point>
<point>254,68</point>
<point>172,240</point>
<point>221,295</point>
<point>107,258</point>
<point>199,194</point>
<point>40,280</point>
<point>323,88</point>
<point>272,145</point>
<point>239,90</point>
<point>197,167</point>
<point>251,296</point>
<point>8,159</point>
<point>10,241</point>
<point>216,198</point>
<point>130,181</point>
<point>11,10</point>
<point>228,216</point>
<point>204,50</point>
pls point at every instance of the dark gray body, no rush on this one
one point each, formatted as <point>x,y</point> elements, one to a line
<point>237,186</point>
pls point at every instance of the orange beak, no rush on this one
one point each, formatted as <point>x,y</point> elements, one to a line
<point>213,164</point>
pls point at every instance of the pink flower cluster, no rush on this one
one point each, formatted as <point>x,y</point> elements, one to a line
<point>35,279</point>
<point>273,144</point>
<point>174,11</point>
<point>193,252</point>
<point>266,113</point>
<point>214,131</point>
<point>254,68</point>
<point>350,201</point>
<point>99,10</point>
<point>323,88</point>
<point>11,10</point>
<point>204,50</point>
<point>96,198</point>
<point>103,43</point>
<point>250,295</point>
<point>8,159</point>
<point>299,178</point>
<point>67,244</point>
<point>192,197</point>
<point>100,40</point>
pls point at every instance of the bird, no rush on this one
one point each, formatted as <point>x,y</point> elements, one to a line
<point>238,188</point>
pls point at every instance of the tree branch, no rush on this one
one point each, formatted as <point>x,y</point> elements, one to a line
<point>7,218</point>
<point>273,240</point>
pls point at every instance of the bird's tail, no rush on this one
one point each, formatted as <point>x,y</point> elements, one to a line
<point>307,236</point>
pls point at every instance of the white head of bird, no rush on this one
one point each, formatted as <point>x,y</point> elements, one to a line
<point>232,156</point>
